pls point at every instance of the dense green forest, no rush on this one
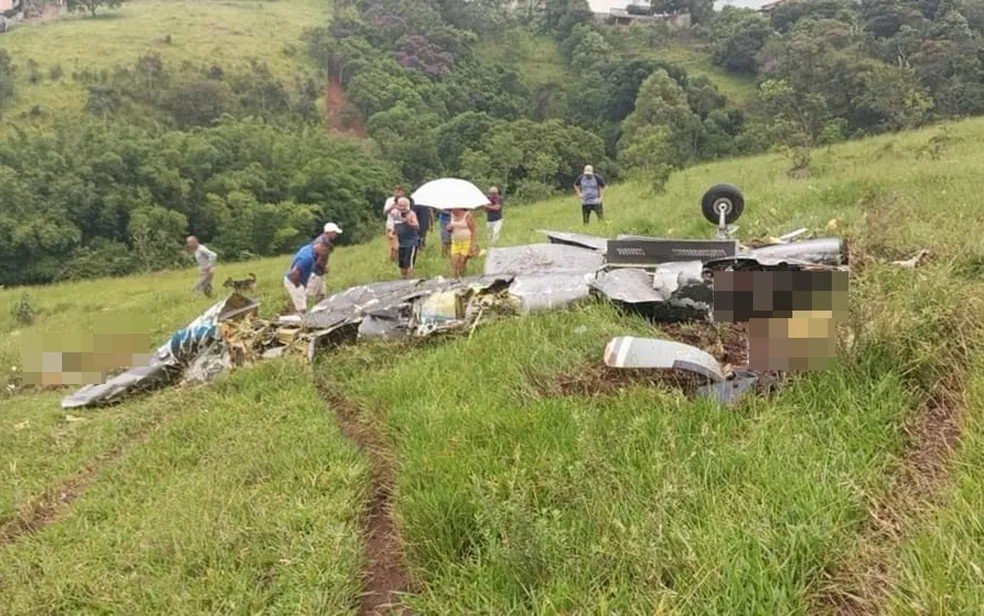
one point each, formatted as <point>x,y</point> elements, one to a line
<point>241,158</point>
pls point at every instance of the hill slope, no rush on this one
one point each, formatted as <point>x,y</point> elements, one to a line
<point>223,33</point>
<point>512,493</point>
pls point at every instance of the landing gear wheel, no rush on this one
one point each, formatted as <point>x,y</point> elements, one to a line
<point>722,197</point>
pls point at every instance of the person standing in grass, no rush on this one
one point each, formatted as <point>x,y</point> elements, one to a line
<point>443,218</point>
<point>591,189</point>
<point>493,215</point>
<point>316,284</point>
<point>408,238</point>
<point>389,210</point>
<point>206,265</point>
<point>296,278</point>
<point>461,228</point>
<point>424,217</point>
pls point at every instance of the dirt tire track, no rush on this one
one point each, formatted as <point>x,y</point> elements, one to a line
<point>47,508</point>
<point>860,584</point>
<point>384,573</point>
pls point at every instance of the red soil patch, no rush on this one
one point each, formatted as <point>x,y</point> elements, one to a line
<point>384,574</point>
<point>335,104</point>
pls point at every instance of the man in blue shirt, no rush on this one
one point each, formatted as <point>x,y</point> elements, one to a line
<point>316,284</point>
<point>591,189</point>
<point>301,268</point>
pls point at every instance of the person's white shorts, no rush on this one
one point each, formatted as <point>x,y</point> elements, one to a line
<point>315,286</point>
<point>495,228</point>
<point>296,295</point>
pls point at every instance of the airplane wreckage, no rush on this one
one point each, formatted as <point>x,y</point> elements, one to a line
<point>666,280</point>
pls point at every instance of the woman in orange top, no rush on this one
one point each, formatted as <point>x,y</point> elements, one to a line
<point>462,230</point>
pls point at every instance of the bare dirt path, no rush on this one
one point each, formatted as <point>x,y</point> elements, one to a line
<point>860,584</point>
<point>384,573</point>
<point>335,103</point>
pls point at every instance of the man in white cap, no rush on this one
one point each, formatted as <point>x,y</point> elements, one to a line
<point>316,283</point>
<point>591,189</point>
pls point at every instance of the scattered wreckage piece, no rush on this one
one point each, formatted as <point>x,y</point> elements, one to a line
<point>630,352</point>
<point>192,353</point>
<point>633,352</point>
<point>591,242</point>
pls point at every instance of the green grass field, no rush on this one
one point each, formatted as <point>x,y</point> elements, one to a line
<point>243,496</point>
<point>224,32</point>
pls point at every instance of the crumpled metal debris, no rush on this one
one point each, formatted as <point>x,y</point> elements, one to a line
<point>193,353</point>
<point>516,279</point>
<point>674,292</point>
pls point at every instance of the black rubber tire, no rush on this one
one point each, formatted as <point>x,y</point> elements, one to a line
<point>722,193</point>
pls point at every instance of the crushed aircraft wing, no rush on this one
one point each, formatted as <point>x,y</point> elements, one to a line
<point>821,251</point>
<point>577,239</point>
<point>633,352</point>
<point>541,259</point>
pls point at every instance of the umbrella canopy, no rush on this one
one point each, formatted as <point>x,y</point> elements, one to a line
<point>450,193</point>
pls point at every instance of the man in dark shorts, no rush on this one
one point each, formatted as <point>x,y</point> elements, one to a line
<point>423,214</point>
<point>591,189</point>
<point>407,229</point>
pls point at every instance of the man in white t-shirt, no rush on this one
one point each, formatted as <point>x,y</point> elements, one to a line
<point>206,265</point>
<point>392,216</point>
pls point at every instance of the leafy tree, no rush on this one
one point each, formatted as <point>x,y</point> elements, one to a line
<point>91,6</point>
<point>561,16</point>
<point>739,34</point>
<point>663,103</point>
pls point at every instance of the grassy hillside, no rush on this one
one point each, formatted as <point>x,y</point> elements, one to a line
<point>513,498</point>
<point>228,33</point>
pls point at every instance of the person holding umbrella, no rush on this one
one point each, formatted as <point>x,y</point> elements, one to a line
<point>455,197</point>
<point>461,228</point>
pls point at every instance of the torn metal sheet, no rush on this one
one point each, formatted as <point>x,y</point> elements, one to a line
<point>632,352</point>
<point>580,240</point>
<point>822,251</point>
<point>382,326</point>
<point>630,286</point>
<point>551,291</point>
<point>745,263</point>
<point>541,259</point>
<point>175,359</point>
<point>728,392</point>
<point>674,292</point>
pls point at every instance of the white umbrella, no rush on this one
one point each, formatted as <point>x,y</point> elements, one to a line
<point>450,193</point>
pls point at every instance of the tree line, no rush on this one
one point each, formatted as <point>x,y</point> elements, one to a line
<point>239,156</point>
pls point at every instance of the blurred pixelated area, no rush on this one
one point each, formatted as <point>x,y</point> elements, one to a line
<point>116,344</point>
<point>792,316</point>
